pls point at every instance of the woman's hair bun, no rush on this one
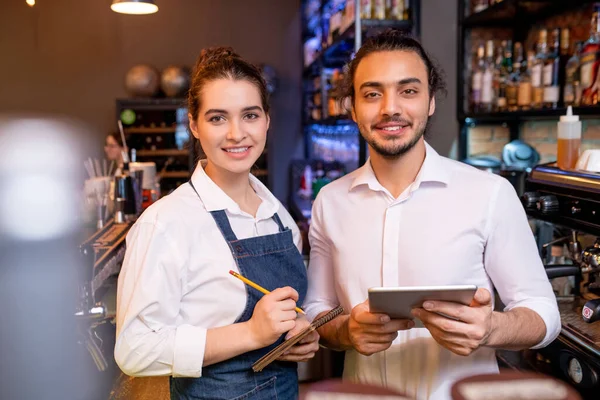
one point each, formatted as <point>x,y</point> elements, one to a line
<point>215,54</point>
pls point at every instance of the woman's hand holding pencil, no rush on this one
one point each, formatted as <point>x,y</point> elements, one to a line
<point>273,316</point>
<point>258,287</point>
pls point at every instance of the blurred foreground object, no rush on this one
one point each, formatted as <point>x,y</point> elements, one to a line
<point>341,390</point>
<point>513,385</point>
<point>40,185</point>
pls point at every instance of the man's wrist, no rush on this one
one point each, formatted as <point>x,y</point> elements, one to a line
<point>344,333</point>
<point>497,320</point>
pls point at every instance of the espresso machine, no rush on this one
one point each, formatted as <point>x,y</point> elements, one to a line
<point>564,210</point>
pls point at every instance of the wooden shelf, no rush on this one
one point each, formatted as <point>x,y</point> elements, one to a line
<point>145,131</point>
<point>152,103</point>
<point>532,11</point>
<point>174,174</point>
<point>162,153</point>
<point>584,112</point>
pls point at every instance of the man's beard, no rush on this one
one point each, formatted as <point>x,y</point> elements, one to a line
<point>394,150</point>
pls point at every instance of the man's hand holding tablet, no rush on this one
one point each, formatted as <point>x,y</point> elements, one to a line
<point>459,317</point>
<point>369,333</point>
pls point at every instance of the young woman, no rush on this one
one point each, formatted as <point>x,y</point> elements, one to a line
<point>113,149</point>
<point>179,311</point>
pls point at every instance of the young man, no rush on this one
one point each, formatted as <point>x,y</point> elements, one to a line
<point>410,217</point>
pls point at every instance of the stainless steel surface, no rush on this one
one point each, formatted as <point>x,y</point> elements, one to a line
<point>579,179</point>
<point>590,258</point>
<point>575,247</point>
<point>569,202</point>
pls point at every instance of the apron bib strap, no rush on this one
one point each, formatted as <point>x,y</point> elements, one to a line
<point>221,219</point>
<point>276,218</point>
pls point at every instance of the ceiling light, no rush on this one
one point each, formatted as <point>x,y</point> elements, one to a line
<point>137,7</point>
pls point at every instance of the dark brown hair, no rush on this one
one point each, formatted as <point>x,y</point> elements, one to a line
<point>394,40</point>
<point>117,137</point>
<point>223,63</point>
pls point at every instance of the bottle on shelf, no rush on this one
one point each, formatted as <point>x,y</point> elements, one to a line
<point>395,9</point>
<point>551,71</point>
<point>537,69</point>
<point>565,45</point>
<point>590,61</point>
<point>524,95</point>
<point>505,72</point>
<point>332,95</point>
<point>572,89</point>
<point>512,86</point>
<point>366,9</point>
<point>500,79</point>
<point>378,11</point>
<point>407,10</point>
<point>487,88</point>
<point>477,79</point>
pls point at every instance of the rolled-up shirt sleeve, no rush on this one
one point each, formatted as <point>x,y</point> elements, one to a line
<point>149,340</point>
<point>321,295</point>
<point>513,263</point>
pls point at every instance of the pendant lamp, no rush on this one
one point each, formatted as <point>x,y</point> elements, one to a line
<point>137,7</point>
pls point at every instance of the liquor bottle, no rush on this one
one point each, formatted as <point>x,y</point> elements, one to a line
<point>524,96</point>
<point>572,89</point>
<point>477,80</point>
<point>590,61</point>
<point>564,55</point>
<point>366,9</point>
<point>407,10</point>
<point>537,70</point>
<point>551,70</point>
<point>512,87</point>
<point>499,79</point>
<point>487,88</point>
<point>505,72</point>
<point>332,95</point>
<point>378,9</point>
<point>395,9</point>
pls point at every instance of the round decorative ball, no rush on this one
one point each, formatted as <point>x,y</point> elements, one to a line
<point>142,81</point>
<point>175,81</point>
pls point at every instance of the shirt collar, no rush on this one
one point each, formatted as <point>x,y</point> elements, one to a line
<point>431,170</point>
<point>215,199</point>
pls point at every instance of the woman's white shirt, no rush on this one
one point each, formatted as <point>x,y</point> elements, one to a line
<point>175,284</point>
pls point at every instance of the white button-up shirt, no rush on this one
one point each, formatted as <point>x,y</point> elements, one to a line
<point>175,283</point>
<point>453,225</point>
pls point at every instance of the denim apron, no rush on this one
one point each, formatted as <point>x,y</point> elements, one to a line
<point>272,261</point>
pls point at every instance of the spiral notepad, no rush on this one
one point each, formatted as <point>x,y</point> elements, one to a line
<point>285,346</point>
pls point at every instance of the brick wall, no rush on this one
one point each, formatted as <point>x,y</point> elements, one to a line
<point>490,139</point>
<point>487,140</point>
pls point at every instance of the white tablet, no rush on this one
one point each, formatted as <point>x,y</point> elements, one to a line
<point>397,302</point>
